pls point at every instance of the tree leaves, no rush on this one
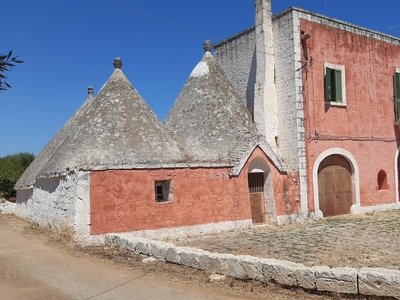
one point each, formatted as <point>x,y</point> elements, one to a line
<point>11,169</point>
<point>7,62</point>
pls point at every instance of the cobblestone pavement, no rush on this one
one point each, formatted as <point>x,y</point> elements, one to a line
<point>371,240</point>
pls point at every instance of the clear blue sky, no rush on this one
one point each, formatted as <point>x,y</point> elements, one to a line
<point>68,45</point>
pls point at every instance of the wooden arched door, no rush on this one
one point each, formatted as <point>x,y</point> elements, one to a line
<point>335,186</point>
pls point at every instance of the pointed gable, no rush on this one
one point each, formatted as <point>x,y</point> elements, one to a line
<point>115,130</point>
<point>209,119</point>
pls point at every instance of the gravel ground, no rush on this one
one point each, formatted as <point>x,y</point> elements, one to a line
<point>371,240</point>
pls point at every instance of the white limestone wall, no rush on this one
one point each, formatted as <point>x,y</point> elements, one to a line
<point>289,91</point>
<point>82,213</point>
<point>286,92</point>
<point>236,56</point>
<point>60,203</point>
<point>265,101</point>
<point>50,203</point>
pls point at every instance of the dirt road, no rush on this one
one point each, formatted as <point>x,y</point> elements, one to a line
<point>38,264</point>
<point>31,269</point>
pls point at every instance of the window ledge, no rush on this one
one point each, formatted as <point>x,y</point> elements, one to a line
<point>396,123</point>
<point>333,103</point>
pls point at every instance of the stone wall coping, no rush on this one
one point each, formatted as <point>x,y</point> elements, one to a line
<point>235,36</point>
<point>339,24</point>
<point>344,280</point>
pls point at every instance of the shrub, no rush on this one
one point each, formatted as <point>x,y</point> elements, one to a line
<point>11,169</point>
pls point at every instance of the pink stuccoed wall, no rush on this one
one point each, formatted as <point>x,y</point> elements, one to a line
<point>124,200</point>
<point>366,123</point>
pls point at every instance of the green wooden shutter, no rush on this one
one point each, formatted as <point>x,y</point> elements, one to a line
<point>338,86</point>
<point>396,84</point>
<point>328,84</point>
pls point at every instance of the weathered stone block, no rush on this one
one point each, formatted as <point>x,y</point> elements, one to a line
<point>305,277</point>
<point>120,241</point>
<point>281,272</point>
<point>110,239</point>
<point>231,266</point>
<point>159,249</point>
<point>191,257</point>
<point>211,262</point>
<point>216,277</point>
<point>173,255</point>
<point>379,282</point>
<point>251,267</point>
<point>141,245</point>
<point>339,280</point>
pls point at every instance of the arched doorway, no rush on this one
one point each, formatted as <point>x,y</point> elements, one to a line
<point>335,186</point>
<point>260,189</point>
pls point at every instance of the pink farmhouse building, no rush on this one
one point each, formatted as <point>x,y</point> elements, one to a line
<point>294,118</point>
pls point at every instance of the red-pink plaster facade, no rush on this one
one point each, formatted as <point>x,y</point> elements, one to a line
<point>124,200</point>
<point>364,126</point>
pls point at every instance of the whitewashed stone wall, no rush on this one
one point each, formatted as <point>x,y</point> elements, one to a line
<point>236,57</point>
<point>287,95</point>
<point>265,100</point>
<point>50,203</point>
<point>60,203</point>
<point>289,89</point>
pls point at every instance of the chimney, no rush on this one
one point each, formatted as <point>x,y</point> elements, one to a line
<point>265,106</point>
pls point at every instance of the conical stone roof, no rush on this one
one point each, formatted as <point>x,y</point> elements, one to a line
<point>116,130</point>
<point>29,176</point>
<point>209,119</point>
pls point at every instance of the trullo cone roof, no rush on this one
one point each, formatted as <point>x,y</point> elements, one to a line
<point>116,130</point>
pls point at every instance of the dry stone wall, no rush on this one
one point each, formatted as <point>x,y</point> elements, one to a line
<point>50,203</point>
<point>365,281</point>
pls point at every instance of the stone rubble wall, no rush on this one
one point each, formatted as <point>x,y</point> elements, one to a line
<point>364,281</point>
<point>6,207</point>
<point>50,202</point>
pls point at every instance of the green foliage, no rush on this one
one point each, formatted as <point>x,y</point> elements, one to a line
<point>11,169</point>
<point>6,64</point>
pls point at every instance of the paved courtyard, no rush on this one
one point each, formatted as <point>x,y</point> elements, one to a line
<point>371,240</point>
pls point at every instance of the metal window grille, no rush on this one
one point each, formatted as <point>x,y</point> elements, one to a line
<point>256,182</point>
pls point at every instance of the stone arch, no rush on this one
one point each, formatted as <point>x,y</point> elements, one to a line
<point>355,178</point>
<point>260,166</point>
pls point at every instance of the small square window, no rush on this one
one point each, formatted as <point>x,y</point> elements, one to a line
<point>335,84</point>
<point>163,191</point>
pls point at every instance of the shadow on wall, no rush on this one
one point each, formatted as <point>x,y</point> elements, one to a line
<point>251,85</point>
<point>49,185</point>
<point>23,196</point>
